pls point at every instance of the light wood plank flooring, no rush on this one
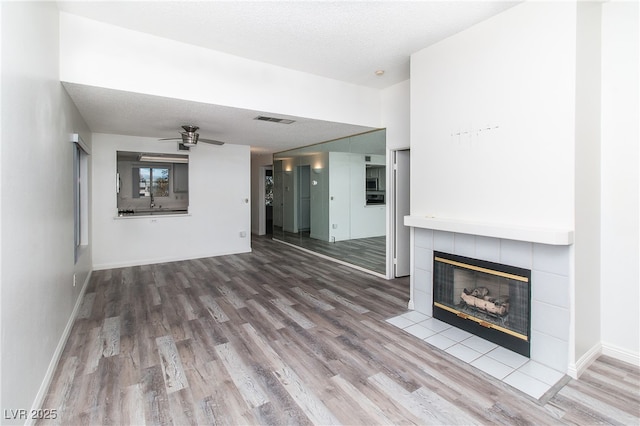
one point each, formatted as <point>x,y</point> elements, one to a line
<point>279,336</point>
<point>368,253</point>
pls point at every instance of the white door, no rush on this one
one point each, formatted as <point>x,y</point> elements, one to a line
<point>401,249</point>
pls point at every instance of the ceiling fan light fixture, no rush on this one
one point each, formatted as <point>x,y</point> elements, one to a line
<point>189,138</point>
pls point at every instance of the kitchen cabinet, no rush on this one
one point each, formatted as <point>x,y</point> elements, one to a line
<point>180,177</point>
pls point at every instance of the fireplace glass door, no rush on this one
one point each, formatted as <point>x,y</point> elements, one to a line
<point>485,298</point>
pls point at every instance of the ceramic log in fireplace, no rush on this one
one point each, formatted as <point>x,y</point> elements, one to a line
<point>488,299</point>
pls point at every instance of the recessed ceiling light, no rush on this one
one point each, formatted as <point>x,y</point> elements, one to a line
<point>379,73</point>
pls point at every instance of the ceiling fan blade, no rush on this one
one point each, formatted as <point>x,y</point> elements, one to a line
<point>170,139</point>
<point>211,141</point>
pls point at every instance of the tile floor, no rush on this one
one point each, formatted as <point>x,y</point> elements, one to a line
<point>516,370</point>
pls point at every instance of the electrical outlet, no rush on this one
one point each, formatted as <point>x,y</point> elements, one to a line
<point>243,234</point>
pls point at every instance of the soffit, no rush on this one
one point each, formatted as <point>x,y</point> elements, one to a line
<point>135,114</point>
<point>342,40</point>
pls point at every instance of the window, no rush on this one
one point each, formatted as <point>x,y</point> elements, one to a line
<point>154,181</point>
<point>80,194</point>
<point>151,183</point>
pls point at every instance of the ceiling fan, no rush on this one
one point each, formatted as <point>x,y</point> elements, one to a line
<point>190,138</point>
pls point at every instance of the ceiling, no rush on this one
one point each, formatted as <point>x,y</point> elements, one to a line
<point>136,114</point>
<point>342,40</point>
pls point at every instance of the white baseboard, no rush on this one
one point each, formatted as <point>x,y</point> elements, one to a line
<point>576,369</point>
<point>140,262</point>
<point>620,354</point>
<point>48,377</point>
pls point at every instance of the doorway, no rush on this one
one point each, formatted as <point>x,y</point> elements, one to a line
<point>268,200</point>
<point>401,208</point>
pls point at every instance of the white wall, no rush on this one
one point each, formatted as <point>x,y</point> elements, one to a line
<point>339,196</point>
<point>219,207</point>
<point>587,181</point>
<point>620,188</point>
<point>515,71</point>
<point>38,117</point>
<point>395,118</point>
<point>104,55</point>
<point>395,115</point>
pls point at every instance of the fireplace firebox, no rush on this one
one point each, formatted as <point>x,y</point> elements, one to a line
<point>488,299</point>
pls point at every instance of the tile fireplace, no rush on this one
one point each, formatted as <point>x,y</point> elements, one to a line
<point>488,299</point>
<point>547,266</point>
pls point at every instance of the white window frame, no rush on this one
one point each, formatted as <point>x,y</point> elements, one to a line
<point>81,153</point>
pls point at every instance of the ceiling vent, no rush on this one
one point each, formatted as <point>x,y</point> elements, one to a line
<point>274,120</point>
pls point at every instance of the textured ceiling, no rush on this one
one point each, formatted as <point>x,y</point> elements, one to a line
<point>343,40</point>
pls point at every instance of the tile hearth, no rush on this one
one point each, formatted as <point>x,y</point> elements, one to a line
<point>551,279</point>
<point>518,371</point>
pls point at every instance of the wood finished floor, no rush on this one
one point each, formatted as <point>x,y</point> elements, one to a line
<point>278,336</point>
<point>368,253</point>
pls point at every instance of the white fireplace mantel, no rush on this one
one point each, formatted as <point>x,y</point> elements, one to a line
<point>557,237</point>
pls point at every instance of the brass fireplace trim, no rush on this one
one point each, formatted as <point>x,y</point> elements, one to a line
<point>481,269</point>
<point>482,322</point>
